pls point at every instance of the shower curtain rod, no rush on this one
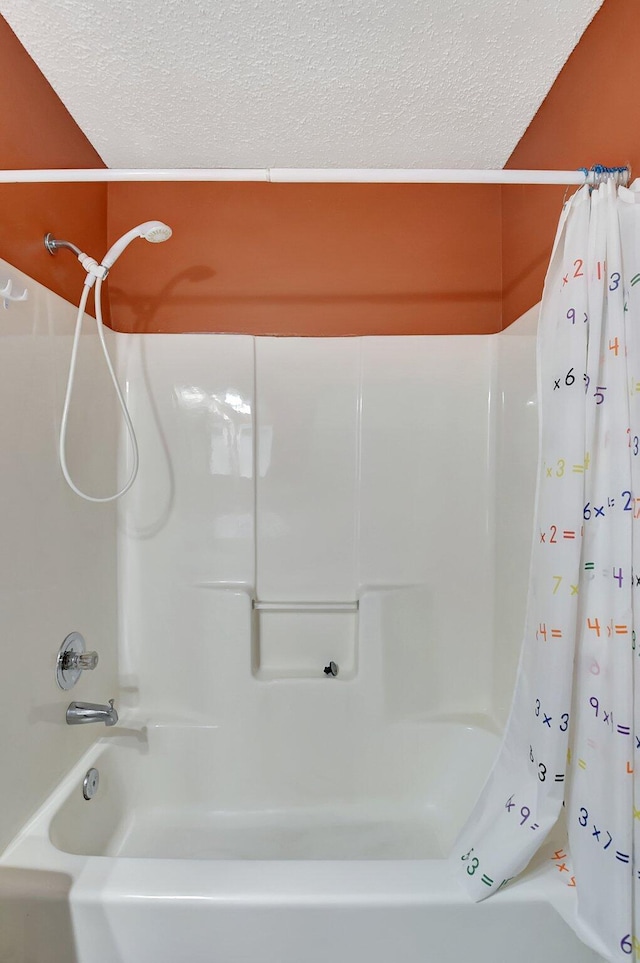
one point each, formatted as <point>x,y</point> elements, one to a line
<point>295,175</point>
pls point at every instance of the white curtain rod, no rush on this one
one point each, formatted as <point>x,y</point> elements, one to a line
<point>294,175</point>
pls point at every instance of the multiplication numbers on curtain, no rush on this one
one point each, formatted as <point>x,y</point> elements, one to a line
<point>598,272</point>
<point>606,716</point>
<point>569,379</point>
<point>607,629</point>
<point>601,837</point>
<point>561,859</point>
<point>522,814</point>
<point>542,632</point>
<point>547,720</point>
<point>473,866</point>
<point>627,503</point>
<point>557,584</point>
<point>559,468</point>
<point>572,315</point>
<point>629,944</point>
<point>553,535</point>
<point>541,769</point>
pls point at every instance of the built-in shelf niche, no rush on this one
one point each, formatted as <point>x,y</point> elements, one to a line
<point>297,640</point>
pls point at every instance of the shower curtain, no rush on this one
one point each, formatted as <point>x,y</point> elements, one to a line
<point>573,734</point>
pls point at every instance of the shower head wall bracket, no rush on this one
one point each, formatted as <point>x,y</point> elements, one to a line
<point>153,231</point>
<point>53,245</point>
<point>91,266</point>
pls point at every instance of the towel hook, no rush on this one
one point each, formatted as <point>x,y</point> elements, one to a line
<point>8,297</point>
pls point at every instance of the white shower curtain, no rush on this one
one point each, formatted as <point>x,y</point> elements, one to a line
<point>573,734</point>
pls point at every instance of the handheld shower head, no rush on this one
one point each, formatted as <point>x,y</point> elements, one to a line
<point>154,231</point>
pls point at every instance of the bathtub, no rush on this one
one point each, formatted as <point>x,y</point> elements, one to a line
<point>171,863</point>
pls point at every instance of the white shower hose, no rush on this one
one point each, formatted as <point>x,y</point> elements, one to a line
<point>67,400</point>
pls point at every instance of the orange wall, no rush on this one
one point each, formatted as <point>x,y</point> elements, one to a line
<point>296,259</point>
<point>590,116</point>
<point>260,258</point>
<point>319,259</point>
<point>38,131</point>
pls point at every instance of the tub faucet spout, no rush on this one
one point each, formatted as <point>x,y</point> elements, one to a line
<point>80,713</point>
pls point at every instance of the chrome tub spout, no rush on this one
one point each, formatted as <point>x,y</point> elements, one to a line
<point>79,713</point>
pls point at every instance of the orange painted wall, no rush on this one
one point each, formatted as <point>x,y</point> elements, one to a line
<point>295,259</point>
<point>590,116</point>
<point>259,258</point>
<point>38,131</point>
<point>319,259</point>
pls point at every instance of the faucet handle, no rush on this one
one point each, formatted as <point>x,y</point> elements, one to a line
<point>72,660</point>
<point>80,661</point>
<point>84,660</point>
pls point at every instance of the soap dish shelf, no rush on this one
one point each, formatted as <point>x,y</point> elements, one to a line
<point>300,640</point>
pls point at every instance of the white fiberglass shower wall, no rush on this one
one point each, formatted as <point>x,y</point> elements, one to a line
<point>365,501</point>
<point>57,563</point>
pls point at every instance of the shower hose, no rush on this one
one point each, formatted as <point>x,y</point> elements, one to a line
<point>67,401</point>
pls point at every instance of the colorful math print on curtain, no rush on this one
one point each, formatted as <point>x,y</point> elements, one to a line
<point>573,734</point>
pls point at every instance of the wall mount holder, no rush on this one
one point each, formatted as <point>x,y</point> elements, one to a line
<point>7,295</point>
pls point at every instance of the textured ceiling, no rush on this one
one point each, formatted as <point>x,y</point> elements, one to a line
<point>301,83</point>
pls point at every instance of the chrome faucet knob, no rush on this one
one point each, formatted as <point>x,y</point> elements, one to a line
<point>73,660</point>
<point>84,660</point>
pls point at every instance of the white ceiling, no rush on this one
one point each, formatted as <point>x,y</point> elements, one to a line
<point>301,83</point>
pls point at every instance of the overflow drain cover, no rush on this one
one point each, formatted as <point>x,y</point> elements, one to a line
<point>90,784</point>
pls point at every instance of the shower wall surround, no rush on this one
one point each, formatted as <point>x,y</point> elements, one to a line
<point>299,501</point>
<point>57,564</point>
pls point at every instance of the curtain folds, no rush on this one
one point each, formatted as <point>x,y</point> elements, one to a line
<point>573,735</point>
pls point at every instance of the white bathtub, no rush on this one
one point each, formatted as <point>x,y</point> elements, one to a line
<point>252,810</point>
<point>165,865</point>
